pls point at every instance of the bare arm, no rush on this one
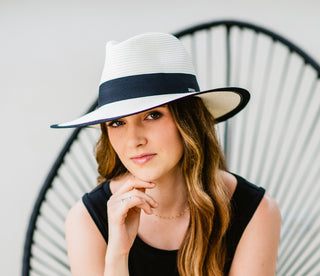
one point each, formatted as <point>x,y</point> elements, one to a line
<point>256,253</point>
<point>87,249</point>
<point>86,246</point>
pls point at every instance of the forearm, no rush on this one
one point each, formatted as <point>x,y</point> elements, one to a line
<point>116,265</point>
<point>124,209</point>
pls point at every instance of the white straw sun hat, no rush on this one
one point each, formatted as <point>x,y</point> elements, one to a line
<point>151,70</point>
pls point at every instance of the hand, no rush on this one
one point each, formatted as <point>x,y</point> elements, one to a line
<point>124,208</point>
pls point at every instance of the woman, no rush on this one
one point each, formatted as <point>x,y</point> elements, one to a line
<point>165,204</point>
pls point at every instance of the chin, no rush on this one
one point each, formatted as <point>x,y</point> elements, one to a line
<point>147,177</point>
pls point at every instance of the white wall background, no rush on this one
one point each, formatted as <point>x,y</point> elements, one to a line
<point>51,57</point>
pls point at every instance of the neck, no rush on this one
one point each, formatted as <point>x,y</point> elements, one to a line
<point>171,195</point>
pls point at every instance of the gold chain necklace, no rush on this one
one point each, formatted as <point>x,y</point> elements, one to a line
<point>173,217</point>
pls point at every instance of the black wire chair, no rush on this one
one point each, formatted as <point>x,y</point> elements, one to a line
<point>274,143</point>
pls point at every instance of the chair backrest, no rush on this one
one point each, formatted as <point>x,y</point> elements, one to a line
<point>274,143</point>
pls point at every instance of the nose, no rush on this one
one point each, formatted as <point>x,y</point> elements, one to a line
<point>136,136</point>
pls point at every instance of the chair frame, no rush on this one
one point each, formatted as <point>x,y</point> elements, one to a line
<point>188,31</point>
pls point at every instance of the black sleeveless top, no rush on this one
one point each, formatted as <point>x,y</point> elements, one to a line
<point>147,260</point>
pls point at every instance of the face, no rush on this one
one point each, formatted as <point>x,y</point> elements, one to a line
<point>148,144</point>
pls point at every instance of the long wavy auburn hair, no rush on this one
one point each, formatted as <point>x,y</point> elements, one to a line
<point>203,249</point>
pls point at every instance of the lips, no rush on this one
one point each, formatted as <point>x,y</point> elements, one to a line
<point>142,158</point>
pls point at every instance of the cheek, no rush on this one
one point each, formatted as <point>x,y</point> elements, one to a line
<point>179,146</point>
<point>115,141</point>
<point>172,140</point>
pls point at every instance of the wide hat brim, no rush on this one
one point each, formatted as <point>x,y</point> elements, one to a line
<point>150,70</point>
<point>223,103</point>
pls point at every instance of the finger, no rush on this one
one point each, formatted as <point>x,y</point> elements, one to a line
<point>132,202</point>
<point>120,198</point>
<point>135,184</point>
<point>135,193</point>
<point>138,193</point>
<point>143,195</point>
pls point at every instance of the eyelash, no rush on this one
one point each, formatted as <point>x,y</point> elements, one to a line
<point>154,113</point>
<point>112,123</point>
<point>118,123</point>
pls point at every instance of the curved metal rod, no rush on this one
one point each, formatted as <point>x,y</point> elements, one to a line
<point>60,159</point>
<point>47,184</point>
<point>229,23</point>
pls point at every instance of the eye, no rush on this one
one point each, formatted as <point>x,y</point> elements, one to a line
<point>115,123</point>
<point>154,115</point>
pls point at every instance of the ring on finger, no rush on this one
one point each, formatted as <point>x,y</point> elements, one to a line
<point>124,199</point>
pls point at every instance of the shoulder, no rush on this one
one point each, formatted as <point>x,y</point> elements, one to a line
<point>259,241</point>
<point>79,224</point>
<point>78,214</point>
<point>266,220</point>
<point>268,209</point>
<point>230,181</point>
<point>82,235</point>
